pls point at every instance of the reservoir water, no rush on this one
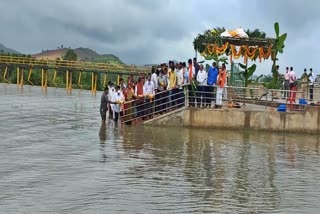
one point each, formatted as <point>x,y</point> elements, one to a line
<point>57,158</point>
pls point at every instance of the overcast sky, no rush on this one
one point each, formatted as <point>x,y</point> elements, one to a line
<point>153,31</point>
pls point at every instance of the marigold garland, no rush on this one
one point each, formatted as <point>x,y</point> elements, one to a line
<point>249,54</point>
<point>264,55</point>
<point>221,50</point>
<point>210,49</point>
<point>234,52</point>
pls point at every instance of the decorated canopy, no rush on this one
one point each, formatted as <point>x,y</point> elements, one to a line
<point>235,43</point>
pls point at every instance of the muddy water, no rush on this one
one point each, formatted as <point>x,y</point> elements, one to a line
<point>57,158</point>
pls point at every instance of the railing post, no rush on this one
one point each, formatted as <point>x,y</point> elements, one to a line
<point>18,76</point>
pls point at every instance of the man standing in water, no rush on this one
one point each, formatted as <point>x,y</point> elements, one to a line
<point>111,93</point>
<point>104,104</point>
<point>118,100</point>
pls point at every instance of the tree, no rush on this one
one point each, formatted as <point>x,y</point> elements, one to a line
<point>247,73</point>
<point>277,48</point>
<point>256,33</point>
<point>70,55</point>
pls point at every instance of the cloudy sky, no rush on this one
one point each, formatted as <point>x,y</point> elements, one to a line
<point>153,31</point>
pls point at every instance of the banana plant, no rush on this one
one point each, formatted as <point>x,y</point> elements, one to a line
<point>217,59</point>
<point>247,73</point>
<point>277,48</point>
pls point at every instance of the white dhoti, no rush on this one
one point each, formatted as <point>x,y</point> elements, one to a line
<point>219,96</point>
<point>225,92</point>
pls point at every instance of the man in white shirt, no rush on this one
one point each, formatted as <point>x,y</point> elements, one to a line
<point>122,84</point>
<point>111,93</point>
<point>311,81</point>
<point>286,82</point>
<point>154,78</point>
<point>180,94</point>
<point>149,91</point>
<point>292,78</point>
<point>202,81</point>
<point>117,98</point>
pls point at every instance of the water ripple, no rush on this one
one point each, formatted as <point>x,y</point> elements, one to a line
<point>57,158</point>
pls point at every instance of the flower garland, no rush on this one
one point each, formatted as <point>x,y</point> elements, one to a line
<point>250,55</point>
<point>264,55</point>
<point>248,52</point>
<point>210,49</point>
<point>221,50</point>
<point>234,52</point>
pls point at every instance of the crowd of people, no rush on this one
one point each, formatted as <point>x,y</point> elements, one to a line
<point>290,83</point>
<point>164,90</point>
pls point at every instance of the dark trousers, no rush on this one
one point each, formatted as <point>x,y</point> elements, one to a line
<point>175,97</point>
<point>286,87</point>
<point>191,95</point>
<point>311,92</point>
<point>147,108</point>
<point>116,117</point>
<point>180,98</point>
<point>161,101</point>
<point>157,101</point>
<point>201,95</point>
<point>103,113</point>
<point>172,98</point>
<point>209,95</point>
<point>140,109</point>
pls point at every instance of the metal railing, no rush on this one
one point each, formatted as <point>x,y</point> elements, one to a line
<point>163,102</point>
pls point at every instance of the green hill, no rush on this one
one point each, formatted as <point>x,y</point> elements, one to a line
<point>84,54</point>
<point>4,49</point>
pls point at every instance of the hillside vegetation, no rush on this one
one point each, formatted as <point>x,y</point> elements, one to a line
<point>84,54</point>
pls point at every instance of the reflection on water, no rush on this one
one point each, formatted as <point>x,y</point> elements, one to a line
<point>56,157</point>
